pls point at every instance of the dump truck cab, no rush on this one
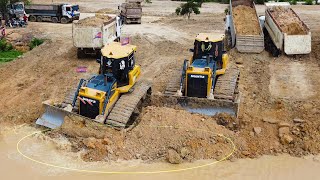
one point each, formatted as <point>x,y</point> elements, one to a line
<point>208,61</point>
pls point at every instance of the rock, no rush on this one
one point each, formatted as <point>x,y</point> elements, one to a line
<point>284,124</point>
<point>297,120</point>
<point>251,134</point>
<point>239,60</point>
<point>245,153</point>
<point>138,156</point>
<point>316,159</point>
<point>307,106</point>
<point>173,157</point>
<point>270,120</point>
<point>184,152</point>
<point>106,141</point>
<point>284,131</point>
<point>287,139</point>
<point>90,142</point>
<point>257,130</point>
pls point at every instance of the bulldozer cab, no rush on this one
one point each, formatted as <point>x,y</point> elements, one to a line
<point>209,45</point>
<point>119,60</point>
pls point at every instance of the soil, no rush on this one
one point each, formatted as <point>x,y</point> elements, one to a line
<point>288,21</point>
<point>275,91</point>
<point>245,20</point>
<point>95,21</point>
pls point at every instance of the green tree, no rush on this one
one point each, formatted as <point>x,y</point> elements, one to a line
<point>188,8</point>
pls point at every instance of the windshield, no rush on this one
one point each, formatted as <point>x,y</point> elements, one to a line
<point>18,7</point>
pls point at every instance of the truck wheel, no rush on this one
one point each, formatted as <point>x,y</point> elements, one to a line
<point>39,19</point>
<point>80,54</point>
<point>55,20</point>
<point>32,19</point>
<point>64,20</point>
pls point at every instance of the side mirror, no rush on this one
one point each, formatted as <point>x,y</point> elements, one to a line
<point>191,50</point>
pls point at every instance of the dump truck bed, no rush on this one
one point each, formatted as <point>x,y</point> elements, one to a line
<point>289,34</point>
<point>246,42</point>
<point>94,35</point>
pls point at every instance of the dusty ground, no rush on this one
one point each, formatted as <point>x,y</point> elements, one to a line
<point>274,91</point>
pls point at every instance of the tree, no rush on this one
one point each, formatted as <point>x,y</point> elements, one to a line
<point>188,8</point>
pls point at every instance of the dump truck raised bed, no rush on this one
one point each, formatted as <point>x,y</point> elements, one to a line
<point>243,28</point>
<point>285,31</point>
<point>131,11</point>
<point>63,13</point>
<point>92,33</point>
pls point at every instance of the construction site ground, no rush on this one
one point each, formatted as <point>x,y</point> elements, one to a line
<point>280,102</point>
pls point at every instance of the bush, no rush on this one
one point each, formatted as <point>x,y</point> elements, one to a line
<point>35,42</point>
<point>4,46</point>
<point>6,56</point>
<point>309,2</point>
<point>293,2</point>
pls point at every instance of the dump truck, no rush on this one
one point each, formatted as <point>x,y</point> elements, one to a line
<point>63,13</point>
<point>131,11</point>
<point>285,31</point>
<point>242,28</point>
<point>207,83</point>
<point>113,97</point>
<point>92,33</point>
<point>16,10</point>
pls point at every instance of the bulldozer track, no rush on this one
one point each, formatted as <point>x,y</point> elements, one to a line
<point>226,87</point>
<point>174,85</point>
<point>127,105</point>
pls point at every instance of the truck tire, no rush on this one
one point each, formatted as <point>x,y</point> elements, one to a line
<point>64,20</point>
<point>39,19</point>
<point>32,19</point>
<point>81,54</point>
<point>55,20</point>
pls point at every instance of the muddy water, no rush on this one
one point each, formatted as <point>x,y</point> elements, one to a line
<point>15,166</point>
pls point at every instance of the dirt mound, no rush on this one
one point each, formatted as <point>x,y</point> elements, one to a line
<point>288,21</point>
<point>161,132</point>
<point>245,20</point>
<point>94,21</point>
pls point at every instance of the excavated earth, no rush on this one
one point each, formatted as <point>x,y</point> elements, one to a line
<point>246,21</point>
<point>288,21</point>
<point>279,110</point>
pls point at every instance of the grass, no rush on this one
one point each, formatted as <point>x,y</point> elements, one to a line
<point>35,42</point>
<point>8,53</point>
<point>6,56</point>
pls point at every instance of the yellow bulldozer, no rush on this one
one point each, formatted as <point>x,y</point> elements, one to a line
<point>208,79</point>
<point>113,96</point>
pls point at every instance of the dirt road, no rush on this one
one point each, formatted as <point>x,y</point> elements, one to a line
<point>273,90</point>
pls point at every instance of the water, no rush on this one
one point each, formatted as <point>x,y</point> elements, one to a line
<point>14,166</point>
<point>211,111</point>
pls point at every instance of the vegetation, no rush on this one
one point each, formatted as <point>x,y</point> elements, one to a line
<point>35,42</point>
<point>7,53</point>
<point>188,8</point>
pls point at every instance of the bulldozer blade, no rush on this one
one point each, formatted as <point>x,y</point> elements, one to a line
<point>209,107</point>
<point>53,117</point>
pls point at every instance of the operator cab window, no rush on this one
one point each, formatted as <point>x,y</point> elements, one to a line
<point>68,8</point>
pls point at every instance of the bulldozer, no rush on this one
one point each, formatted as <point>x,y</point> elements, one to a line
<point>113,96</point>
<point>207,80</point>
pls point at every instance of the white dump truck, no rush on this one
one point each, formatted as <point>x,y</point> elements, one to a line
<point>92,33</point>
<point>285,31</point>
<point>242,27</point>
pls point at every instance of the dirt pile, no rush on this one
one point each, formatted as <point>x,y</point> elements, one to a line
<point>245,20</point>
<point>288,21</point>
<point>94,21</point>
<point>163,134</point>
